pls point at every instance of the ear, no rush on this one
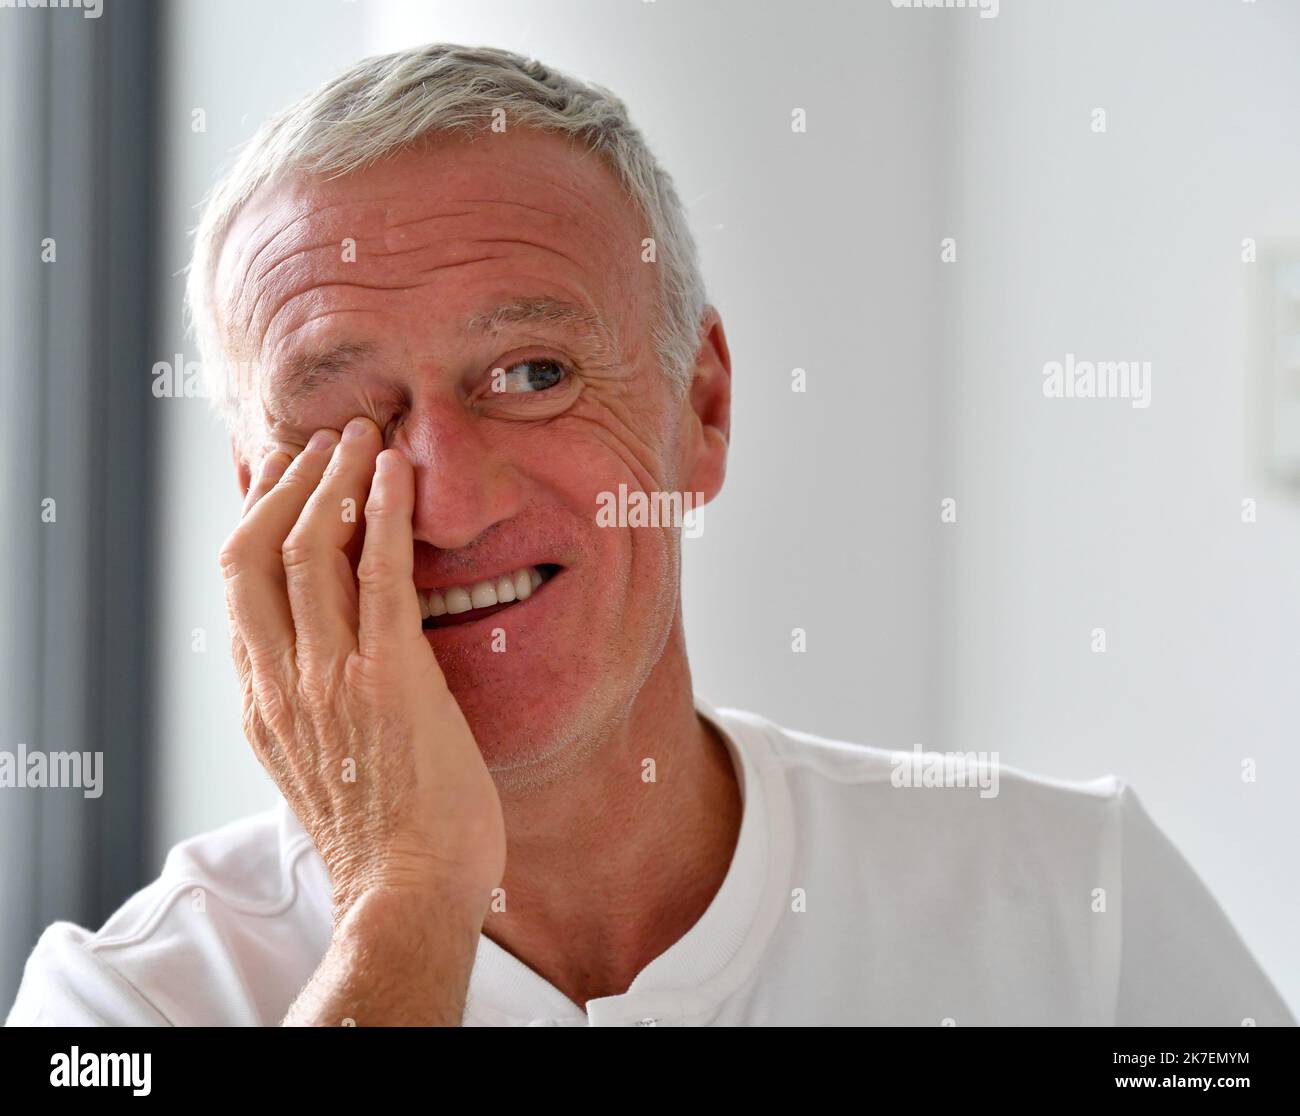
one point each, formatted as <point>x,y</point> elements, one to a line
<point>707,411</point>
<point>243,474</point>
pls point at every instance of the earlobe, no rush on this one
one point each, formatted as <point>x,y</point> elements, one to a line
<point>711,467</point>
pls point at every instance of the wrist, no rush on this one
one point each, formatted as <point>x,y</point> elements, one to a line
<point>378,908</point>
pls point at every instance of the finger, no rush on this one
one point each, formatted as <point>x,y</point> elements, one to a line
<point>272,517</point>
<point>389,607</point>
<point>322,593</point>
<point>273,466</point>
<point>251,560</point>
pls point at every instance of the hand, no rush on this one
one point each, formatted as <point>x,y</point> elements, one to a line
<point>344,702</point>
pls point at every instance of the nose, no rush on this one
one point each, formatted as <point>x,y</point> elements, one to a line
<point>463,482</point>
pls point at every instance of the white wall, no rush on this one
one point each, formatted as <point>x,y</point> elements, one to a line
<point>1078,514</point>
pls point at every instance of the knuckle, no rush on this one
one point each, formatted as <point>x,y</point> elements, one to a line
<point>274,704</point>
<point>299,549</point>
<point>243,664</point>
<point>362,671</point>
<point>370,680</point>
<point>233,553</point>
<point>319,683</point>
<point>375,567</point>
<point>377,504</point>
<point>255,730</point>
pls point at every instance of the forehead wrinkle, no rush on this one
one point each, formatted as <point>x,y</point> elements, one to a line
<point>298,252</point>
<point>390,224</point>
<point>519,204</point>
<point>381,213</point>
<point>241,271</point>
<point>397,236</point>
<point>534,244</point>
<point>314,288</point>
<point>470,243</point>
<point>244,267</point>
<point>251,267</point>
<point>581,194</point>
<point>367,250</point>
<point>536,224</point>
<point>369,211</point>
<point>257,312</point>
<point>248,274</point>
<point>330,312</point>
<point>262,284</point>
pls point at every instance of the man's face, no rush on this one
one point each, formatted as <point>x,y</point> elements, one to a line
<point>486,303</point>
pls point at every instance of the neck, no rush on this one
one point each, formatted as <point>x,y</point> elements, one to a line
<point>606,868</point>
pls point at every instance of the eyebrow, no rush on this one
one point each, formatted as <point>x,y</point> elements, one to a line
<point>550,311</point>
<point>306,372</point>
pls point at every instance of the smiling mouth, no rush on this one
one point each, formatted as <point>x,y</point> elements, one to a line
<point>464,604</point>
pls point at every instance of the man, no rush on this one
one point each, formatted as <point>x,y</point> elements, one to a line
<point>473,310</point>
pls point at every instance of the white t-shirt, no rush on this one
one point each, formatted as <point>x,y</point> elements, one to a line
<point>849,900</point>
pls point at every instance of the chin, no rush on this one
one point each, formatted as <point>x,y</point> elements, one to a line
<point>520,740</point>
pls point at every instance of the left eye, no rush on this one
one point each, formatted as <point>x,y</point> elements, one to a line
<point>528,376</point>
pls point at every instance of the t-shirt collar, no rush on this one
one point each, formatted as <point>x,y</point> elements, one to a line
<point>685,980</point>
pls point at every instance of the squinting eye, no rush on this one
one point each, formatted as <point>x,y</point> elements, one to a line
<point>528,376</point>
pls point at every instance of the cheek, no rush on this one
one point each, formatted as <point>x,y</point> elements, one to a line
<point>573,461</point>
<point>627,434</point>
<point>623,562</point>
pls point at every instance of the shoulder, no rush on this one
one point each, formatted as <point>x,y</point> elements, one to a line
<point>240,912</point>
<point>821,763</point>
<point>977,855</point>
<point>953,821</point>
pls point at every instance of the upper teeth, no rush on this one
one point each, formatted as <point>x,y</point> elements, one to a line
<point>517,586</point>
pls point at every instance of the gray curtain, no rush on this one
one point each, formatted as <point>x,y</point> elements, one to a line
<point>77,166</point>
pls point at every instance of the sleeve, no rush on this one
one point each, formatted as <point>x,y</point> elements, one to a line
<point>66,984</point>
<point>1182,963</point>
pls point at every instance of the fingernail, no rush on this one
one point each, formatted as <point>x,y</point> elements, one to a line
<point>387,461</point>
<point>355,429</point>
<point>321,440</point>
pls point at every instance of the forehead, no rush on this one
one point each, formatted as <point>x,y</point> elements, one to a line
<point>429,237</point>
